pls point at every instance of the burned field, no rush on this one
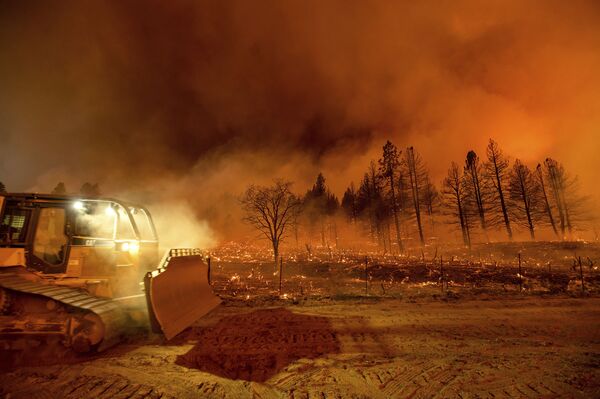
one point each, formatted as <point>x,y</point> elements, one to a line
<point>490,332</point>
<point>498,269</point>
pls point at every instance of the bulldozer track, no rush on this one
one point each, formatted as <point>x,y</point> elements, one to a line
<point>112,316</point>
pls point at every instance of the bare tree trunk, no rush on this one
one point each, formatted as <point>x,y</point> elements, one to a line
<point>502,202</point>
<point>276,254</point>
<point>478,198</point>
<point>525,198</point>
<point>557,197</point>
<point>415,190</point>
<point>547,203</point>
<point>395,212</point>
<point>464,223</point>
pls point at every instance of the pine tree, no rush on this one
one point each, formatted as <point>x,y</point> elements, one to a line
<point>349,203</point>
<point>418,177</point>
<point>320,205</point>
<point>547,207</point>
<point>60,189</point>
<point>565,197</point>
<point>525,197</point>
<point>389,166</point>
<point>477,192</point>
<point>431,200</point>
<point>372,205</point>
<point>496,174</point>
<point>453,194</point>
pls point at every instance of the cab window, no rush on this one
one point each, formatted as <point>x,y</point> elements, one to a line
<point>142,221</point>
<point>50,239</point>
<point>95,220</point>
<point>104,220</point>
<point>124,227</point>
<point>13,227</point>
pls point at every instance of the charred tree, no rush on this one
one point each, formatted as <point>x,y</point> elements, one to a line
<point>526,203</point>
<point>556,177</point>
<point>548,209</point>
<point>453,194</point>
<point>572,208</point>
<point>476,191</point>
<point>364,204</point>
<point>381,208</point>
<point>417,176</point>
<point>349,204</point>
<point>430,201</point>
<point>271,210</point>
<point>497,169</point>
<point>389,166</point>
<point>320,205</point>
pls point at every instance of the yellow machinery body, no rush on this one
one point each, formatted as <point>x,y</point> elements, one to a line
<point>86,270</point>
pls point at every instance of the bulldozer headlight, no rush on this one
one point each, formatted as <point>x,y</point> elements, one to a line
<point>129,246</point>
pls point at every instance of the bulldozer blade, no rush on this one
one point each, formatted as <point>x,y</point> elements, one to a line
<point>179,293</point>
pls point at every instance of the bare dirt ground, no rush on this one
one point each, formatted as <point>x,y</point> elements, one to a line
<point>517,346</point>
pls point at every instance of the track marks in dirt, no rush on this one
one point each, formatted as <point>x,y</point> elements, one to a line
<point>83,386</point>
<point>519,349</point>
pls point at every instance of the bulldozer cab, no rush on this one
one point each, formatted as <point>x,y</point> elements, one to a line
<point>81,238</point>
<point>107,248</point>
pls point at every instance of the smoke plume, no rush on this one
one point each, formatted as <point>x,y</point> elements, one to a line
<point>193,100</point>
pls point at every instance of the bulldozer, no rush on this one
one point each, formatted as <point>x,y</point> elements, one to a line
<point>84,272</point>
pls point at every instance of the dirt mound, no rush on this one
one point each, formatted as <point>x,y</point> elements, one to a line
<point>257,345</point>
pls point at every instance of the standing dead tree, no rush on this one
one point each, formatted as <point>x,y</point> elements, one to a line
<point>418,178</point>
<point>525,197</point>
<point>557,179</point>
<point>453,194</point>
<point>496,171</point>
<point>271,210</point>
<point>431,202</point>
<point>565,198</point>
<point>548,209</point>
<point>389,166</point>
<point>372,206</point>
<point>476,190</point>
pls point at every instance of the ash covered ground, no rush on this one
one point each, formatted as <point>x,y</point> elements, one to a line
<point>469,326</point>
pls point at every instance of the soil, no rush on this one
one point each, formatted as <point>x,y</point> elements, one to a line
<point>420,346</point>
<point>473,326</point>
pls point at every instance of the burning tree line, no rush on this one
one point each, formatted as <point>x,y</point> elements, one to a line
<point>478,198</point>
<point>491,194</point>
<point>397,202</point>
<point>395,191</point>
